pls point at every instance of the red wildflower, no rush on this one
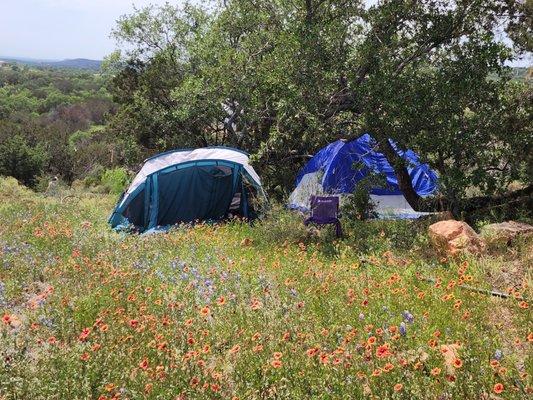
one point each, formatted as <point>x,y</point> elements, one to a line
<point>498,388</point>
<point>383,351</point>
<point>143,364</point>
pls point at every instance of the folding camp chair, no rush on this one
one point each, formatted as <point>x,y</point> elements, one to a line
<point>325,210</point>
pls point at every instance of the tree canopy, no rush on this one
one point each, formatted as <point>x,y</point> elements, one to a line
<point>282,78</point>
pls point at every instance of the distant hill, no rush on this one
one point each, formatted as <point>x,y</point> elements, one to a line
<point>76,63</point>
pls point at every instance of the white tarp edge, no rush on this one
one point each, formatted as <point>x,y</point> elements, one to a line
<point>178,157</point>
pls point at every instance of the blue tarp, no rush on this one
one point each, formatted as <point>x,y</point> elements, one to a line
<point>337,162</point>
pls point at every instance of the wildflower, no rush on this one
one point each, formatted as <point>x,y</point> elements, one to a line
<point>221,301</point>
<point>498,388</point>
<point>277,355</point>
<point>376,372</point>
<point>109,387</point>
<point>104,328</point>
<point>388,367</point>
<point>276,363</point>
<point>324,358</point>
<point>383,351</point>
<point>523,305</point>
<point>498,354</point>
<point>256,336</point>
<point>194,382</point>
<point>205,311</point>
<point>398,387</point>
<point>143,364</point>
<point>85,357</point>
<point>457,363</point>
<point>256,305</point>
<point>6,319</point>
<point>258,348</point>
<point>435,371</point>
<point>84,334</point>
<point>530,337</point>
<point>403,329</point>
<point>312,352</point>
<point>235,349</point>
<point>371,340</point>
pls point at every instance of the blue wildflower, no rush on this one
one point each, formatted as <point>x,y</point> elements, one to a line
<point>403,329</point>
<point>408,317</point>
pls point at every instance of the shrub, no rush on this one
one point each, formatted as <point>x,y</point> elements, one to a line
<point>359,205</point>
<point>21,161</point>
<point>115,180</point>
<point>11,188</point>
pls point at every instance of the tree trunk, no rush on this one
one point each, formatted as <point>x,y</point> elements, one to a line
<point>402,175</point>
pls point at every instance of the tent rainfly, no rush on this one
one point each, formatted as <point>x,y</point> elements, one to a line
<point>183,186</point>
<point>337,168</point>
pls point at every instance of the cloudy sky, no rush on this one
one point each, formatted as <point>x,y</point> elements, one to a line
<point>59,29</point>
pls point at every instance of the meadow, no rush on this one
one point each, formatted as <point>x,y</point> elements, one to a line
<point>240,311</point>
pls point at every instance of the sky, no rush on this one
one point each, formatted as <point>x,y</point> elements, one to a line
<point>61,29</point>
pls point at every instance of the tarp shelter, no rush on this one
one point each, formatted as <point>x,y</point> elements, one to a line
<point>183,186</point>
<point>337,168</point>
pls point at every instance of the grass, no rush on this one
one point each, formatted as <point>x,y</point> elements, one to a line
<point>268,311</point>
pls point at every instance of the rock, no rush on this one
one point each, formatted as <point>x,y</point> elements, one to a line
<point>453,237</point>
<point>505,232</point>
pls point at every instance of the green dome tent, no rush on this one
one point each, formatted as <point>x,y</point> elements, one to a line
<point>184,186</point>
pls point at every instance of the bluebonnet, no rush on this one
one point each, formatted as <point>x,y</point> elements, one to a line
<point>403,329</point>
<point>408,317</point>
<point>498,354</point>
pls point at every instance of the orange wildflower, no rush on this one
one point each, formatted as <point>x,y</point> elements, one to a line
<point>435,371</point>
<point>398,387</point>
<point>143,364</point>
<point>383,351</point>
<point>388,367</point>
<point>312,351</point>
<point>498,388</point>
<point>457,363</point>
<point>235,349</point>
<point>276,363</point>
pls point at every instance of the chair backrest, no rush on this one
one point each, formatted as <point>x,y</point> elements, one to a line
<point>323,207</point>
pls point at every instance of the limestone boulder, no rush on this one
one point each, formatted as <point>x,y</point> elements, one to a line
<point>453,237</point>
<point>505,232</point>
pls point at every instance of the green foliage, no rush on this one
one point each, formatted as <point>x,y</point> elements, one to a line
<point>282,79</point>
<point>21,161</point>
<point>115,180</point>
<point>359,205</point>
<point>51,108</point>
